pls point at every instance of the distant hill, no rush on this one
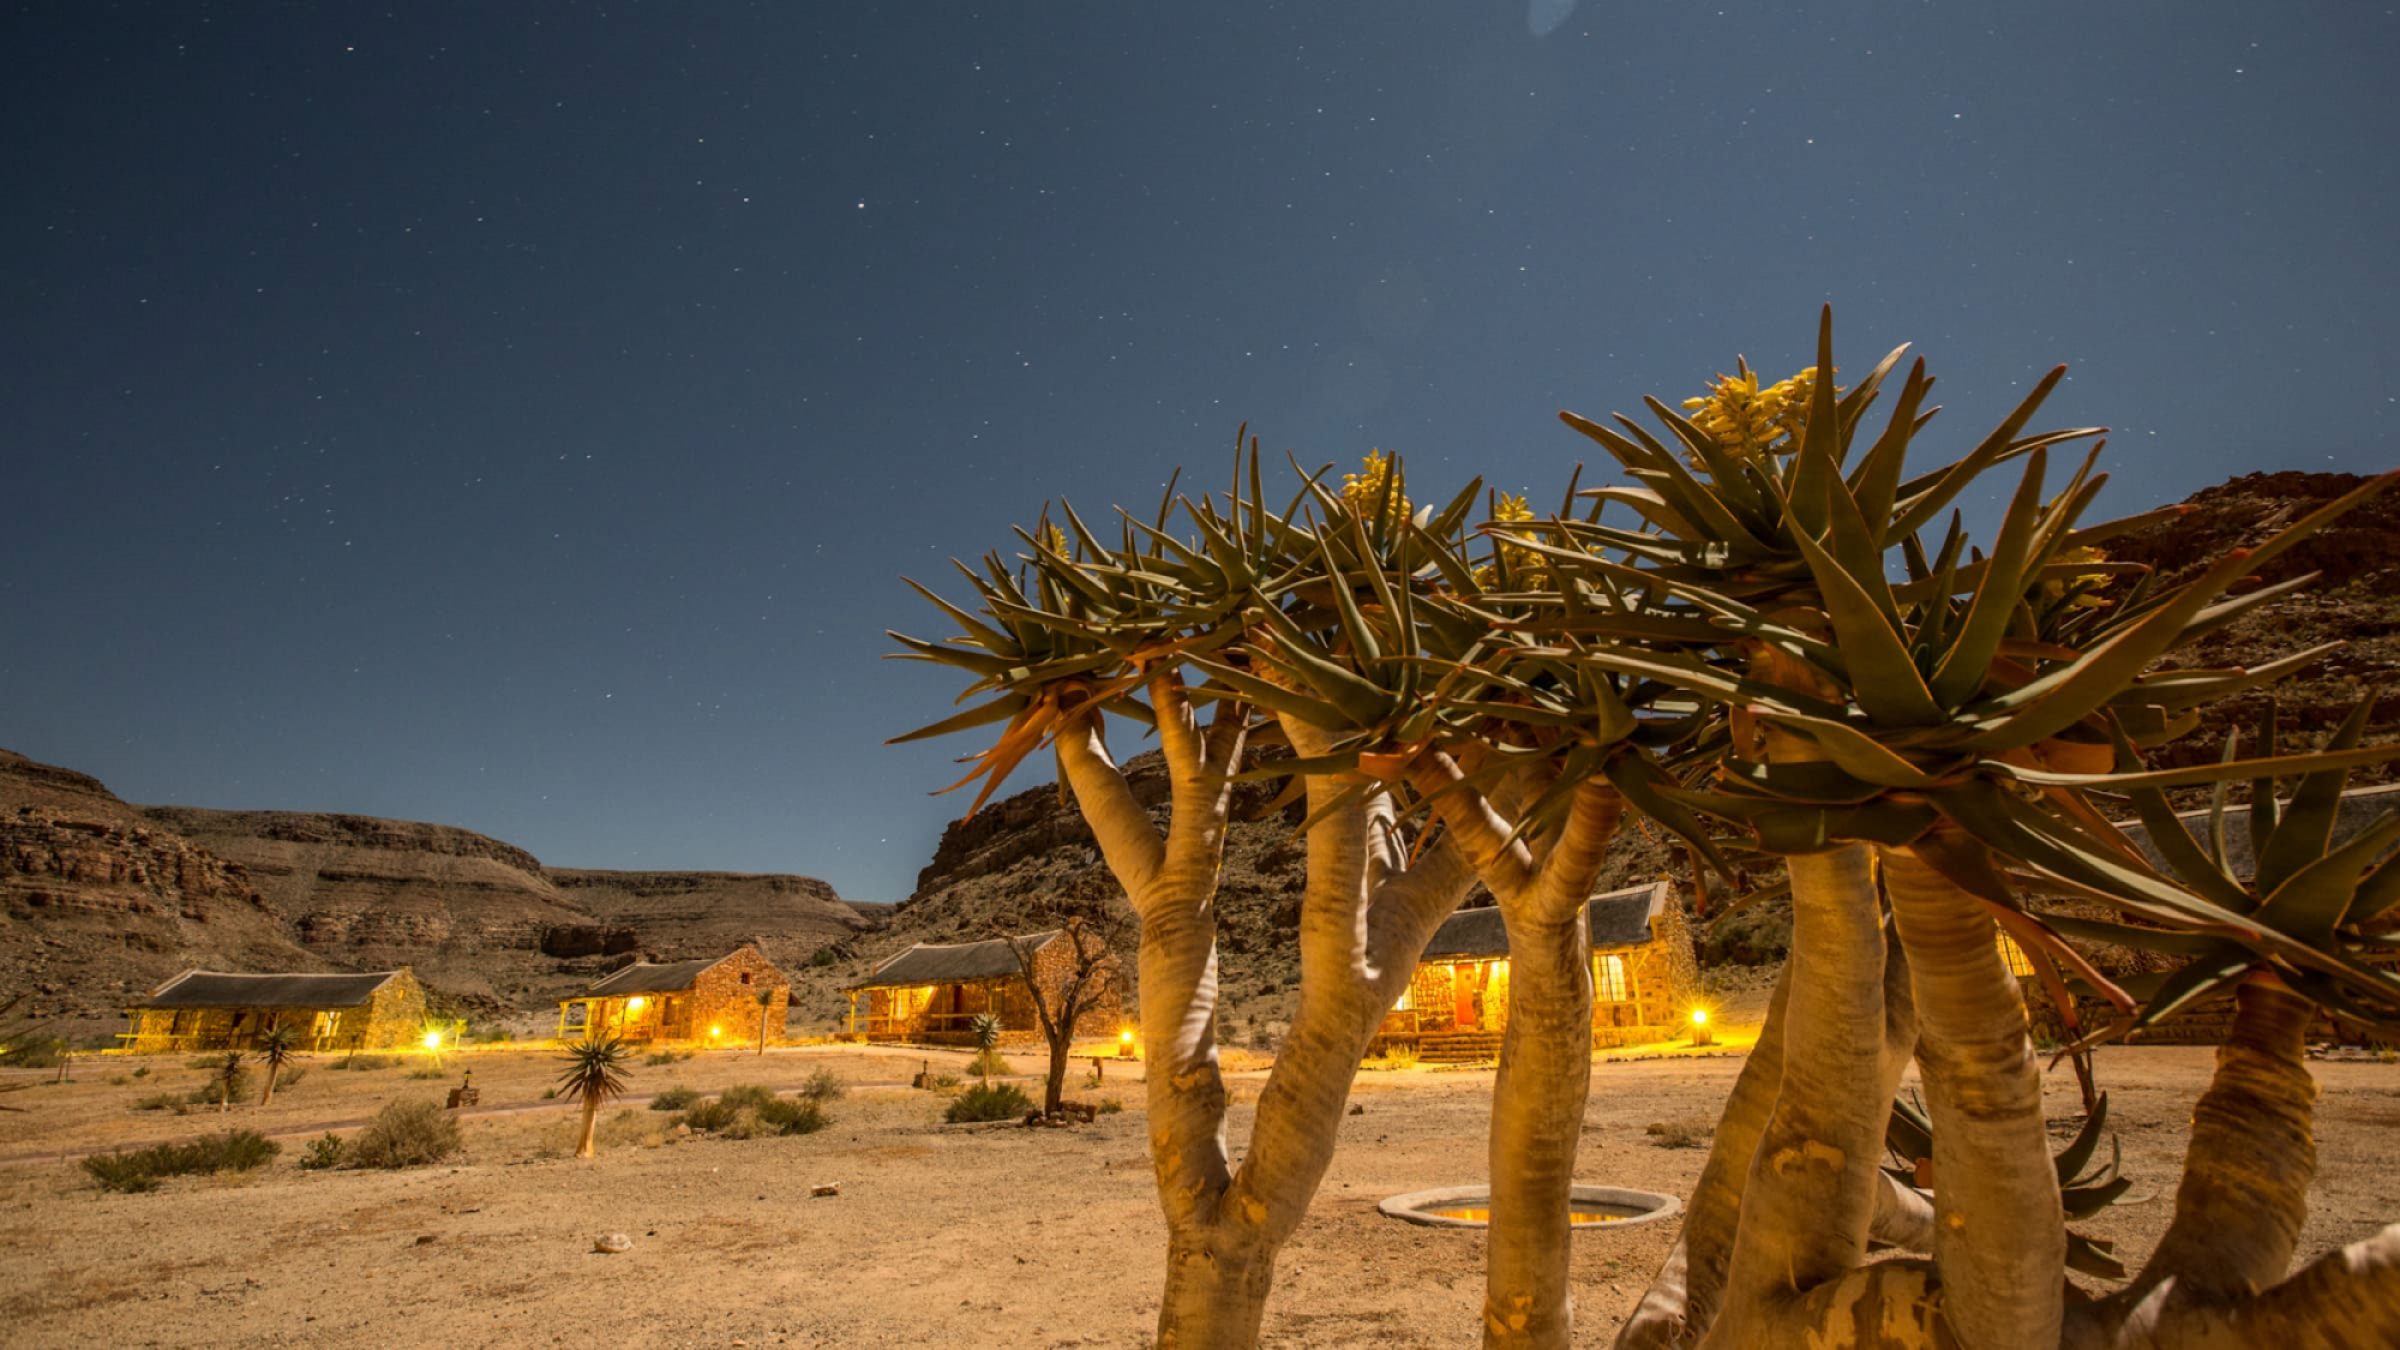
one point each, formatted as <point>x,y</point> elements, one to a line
<point>103,899</point>
<point>2356,600</point>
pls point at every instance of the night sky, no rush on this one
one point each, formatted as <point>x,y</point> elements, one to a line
<point>520,416</point>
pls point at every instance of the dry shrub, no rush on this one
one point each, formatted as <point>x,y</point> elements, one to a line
<point>676,1098</point>
<point>140,1169</point>
<point>823,1086</point>
<point>405,1134</point>
<point>988,1101</point>
<point>322,1152</point>
<point>749,1112</point>
<point>1678,1133</point>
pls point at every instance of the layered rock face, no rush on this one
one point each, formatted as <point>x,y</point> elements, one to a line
<point>681,915</point>
<point>101,904</point>
<point>467,911</point>
<point>2355,600</point>
<point>103,900</point>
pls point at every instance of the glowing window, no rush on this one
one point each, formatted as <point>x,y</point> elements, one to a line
<point>1608,974</point>
<point>2019,964</point>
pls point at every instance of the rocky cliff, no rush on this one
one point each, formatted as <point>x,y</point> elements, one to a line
<point>2356,600</point>
<point>104,899</point>
<point>689,914</point>
<point>100,903</point>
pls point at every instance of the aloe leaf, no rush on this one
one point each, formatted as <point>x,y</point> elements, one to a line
<point>1882,676</point>
<point>2176,690</point>
<point>998,710</point>
<point>2314,900</point>
<point>1249,688</point>
<point>2306,828</point>
<point>1682,491</point>
<point>1640,780</point>
<point>1968,662</point>
<point>1817,466</point>
<point>2207,975</point>
<point>2071,1160</point>
<point>2182,853</point>
<point>1724,471</point>
<point>976,662</point>
<point>1920,504</point>
<point>1859,754</point>
<point>1877,478</point>
<point>2195,775</point>
<point>1820,784</point>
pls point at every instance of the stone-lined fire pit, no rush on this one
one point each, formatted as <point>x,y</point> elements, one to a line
<point>1590,1207</point>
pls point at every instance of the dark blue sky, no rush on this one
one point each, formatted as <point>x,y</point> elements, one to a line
<point>520,416</point>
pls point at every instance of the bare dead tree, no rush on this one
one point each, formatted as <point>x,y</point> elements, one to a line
<point>1095,942</point>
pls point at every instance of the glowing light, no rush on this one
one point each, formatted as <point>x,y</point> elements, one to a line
<point>1699,1017</point>
<point>636,1003</point>
<point>433,1040</point>
<point>1125,1037</point>
<point>716,1031</point>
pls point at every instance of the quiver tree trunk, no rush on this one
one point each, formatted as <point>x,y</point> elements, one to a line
<point>585,1143</point>
<point>2000,1232</point>
<point>1366,915</point>
<point>1545,1073</point>
<point>1538,1102</point>
<point>1810,1195</point>
<point>1682,1301</point>
<point>2213,1279</point>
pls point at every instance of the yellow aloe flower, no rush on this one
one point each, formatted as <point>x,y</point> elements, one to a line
<point>1749,421</point>
<point>1055,540</point>
<point>1361,491</point>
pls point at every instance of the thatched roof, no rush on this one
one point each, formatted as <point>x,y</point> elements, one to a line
<point>645,977</point>
<point>216,989</point>
<point>953,963</point>
<point>1618,919</point>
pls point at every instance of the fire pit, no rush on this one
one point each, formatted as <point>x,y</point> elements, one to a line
<point>1590,1207</point>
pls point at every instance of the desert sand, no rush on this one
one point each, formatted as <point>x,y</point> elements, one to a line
<point>944,1235</point>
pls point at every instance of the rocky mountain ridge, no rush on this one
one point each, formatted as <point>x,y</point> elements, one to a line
<point>101,899</point>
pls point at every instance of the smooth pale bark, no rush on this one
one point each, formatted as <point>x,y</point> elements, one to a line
<point>1365,918</point>
<point>268,1094</point>
<point>1682,1300</point>
<point>2238,1213</point>
<point>1903,1216</point>
<point>586,1145</point>
<point>1810,1194</point>
<point>1545,1073</point>
<point>2000,1236</point>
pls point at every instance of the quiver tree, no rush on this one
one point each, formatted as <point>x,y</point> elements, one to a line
<point>277,1048</point>
<point>594,1073</point>
<point>1091,968</point>
<point>1408,675</point>
<point>1912,744</point>
<point>1920,742</point>
<point>228,1080</point>
<point>1094,632</point>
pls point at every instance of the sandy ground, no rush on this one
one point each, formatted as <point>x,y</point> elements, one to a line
<point>941,1235</point>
